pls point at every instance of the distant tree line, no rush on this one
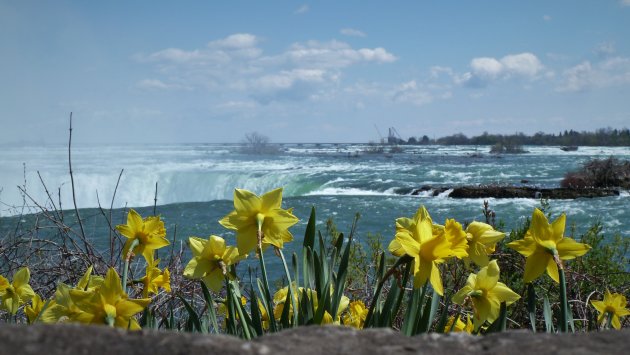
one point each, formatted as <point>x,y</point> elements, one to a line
<point>601,137</point>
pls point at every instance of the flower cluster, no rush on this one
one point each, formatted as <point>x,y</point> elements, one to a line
<point>425,251</point>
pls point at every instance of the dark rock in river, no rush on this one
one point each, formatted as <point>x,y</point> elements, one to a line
<point>500,191</point>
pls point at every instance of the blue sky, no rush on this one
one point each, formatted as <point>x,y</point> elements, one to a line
<point>325,71</point>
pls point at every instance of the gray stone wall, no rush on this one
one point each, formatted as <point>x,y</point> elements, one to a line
<point>92,340</point>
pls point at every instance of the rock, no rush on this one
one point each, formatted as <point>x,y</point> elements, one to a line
<point>497,191</point>
<point>504,191</point>
<point>100,340</point>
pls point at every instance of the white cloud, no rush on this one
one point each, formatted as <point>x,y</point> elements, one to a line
<point>587,76</point>
<point>605,49</point>
<point>548,18</point>
<point>286,79</point>
<point>524,64</point>
<point>334,54</point>
<point>235,41</point>
<point>352,32</point>
<point>409,92</point>
<point>302,9</point>
<point>624,2</point>
<point>487,69</point>
<point>436,71</point>
<point>236,64</point>
<point>156,84</point>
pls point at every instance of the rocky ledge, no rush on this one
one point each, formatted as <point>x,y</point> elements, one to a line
<point>501,191</point>
<point>92,340</point>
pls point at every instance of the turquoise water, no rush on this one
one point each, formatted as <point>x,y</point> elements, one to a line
<point>196,183</point>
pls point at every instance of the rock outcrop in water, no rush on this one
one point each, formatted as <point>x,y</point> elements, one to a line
<point>502,191</point>
<point>97,340</point>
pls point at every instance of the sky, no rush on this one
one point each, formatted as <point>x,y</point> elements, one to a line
<point>318,71</point>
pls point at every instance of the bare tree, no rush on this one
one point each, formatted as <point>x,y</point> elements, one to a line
<point>257,143</point>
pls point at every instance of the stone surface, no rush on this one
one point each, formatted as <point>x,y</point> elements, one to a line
<point>91,340</point>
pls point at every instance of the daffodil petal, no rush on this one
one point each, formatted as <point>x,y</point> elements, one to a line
<point>552,270</point>
<point>197,245</point>
<point>488,276</point>
<point>436,279</point>
<point>557,227</point>
<point>214,280</point>
<point>504,294</point>
<point>21,277</point>
<point>272,199</point>
<point>570,249</point>
<point>535,266</point>
<point>246,201</point>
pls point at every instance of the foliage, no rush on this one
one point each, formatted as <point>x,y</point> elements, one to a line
<point>600,137</point>
<point>340,279</point>
<point>610,172</point>
<point>256,143</point>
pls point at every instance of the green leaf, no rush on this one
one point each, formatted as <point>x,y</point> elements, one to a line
<point>245,320</point>
<point>212,315</point>
<point>309,234</point>
<point>564,316</point>
<point>340,282</point>
<point>257,322</point>
<point>531,305</point>
<point>290,290</point>
<point>439,328</point>
<point>286,308</point>
<point>500,324</point>
<point>323,304</point>
<point>193,317</point>
<point>430,308</point>
<point>547,314</point>
<point>414,310</point>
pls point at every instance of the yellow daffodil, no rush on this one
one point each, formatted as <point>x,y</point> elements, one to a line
<point>482,241</point>
<point>460,326</point>
<point>356,315</point>
<point>544,246</point>
<point>32,311</point>
<point>147,234</point>
<point>486,293</point>
<point>257,218</point>
<point>222,308</point>
<point>155,278</point>
<point>62,308</point>
<point>416,238</point>
<point>16,293</point>
<point>457,237</point>
<point>210,261</point>
<point>613,306</point>
<point>109,304</point>
<point>280,297</point>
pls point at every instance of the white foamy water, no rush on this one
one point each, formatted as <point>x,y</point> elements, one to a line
<point>338,177</point>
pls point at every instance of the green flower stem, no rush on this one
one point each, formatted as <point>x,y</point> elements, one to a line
<point>564,312</point>
<point>126,266</point>
<point>286,270</point>
<point>267,295</point>
<point>609,320</point>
